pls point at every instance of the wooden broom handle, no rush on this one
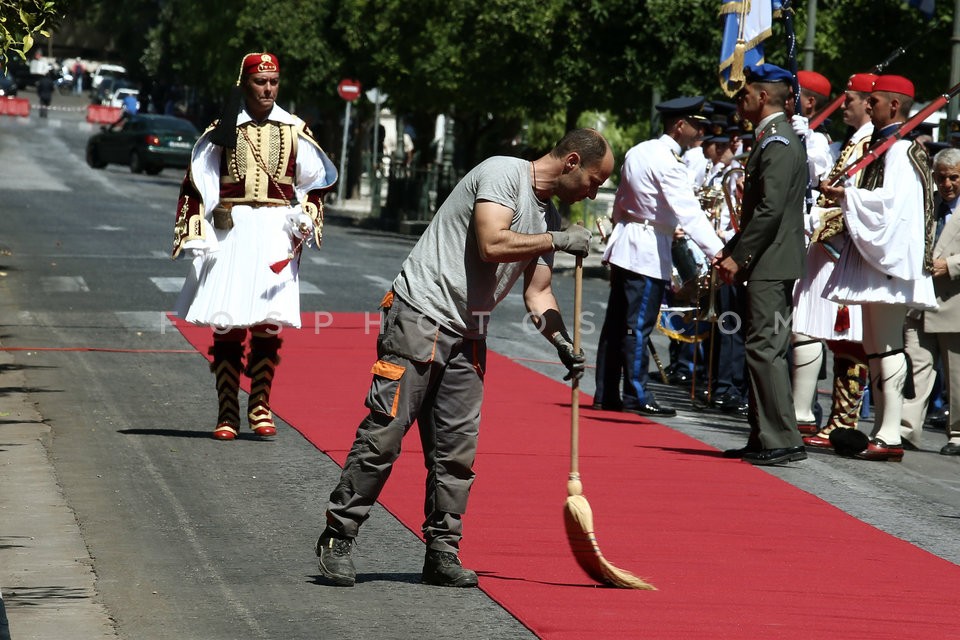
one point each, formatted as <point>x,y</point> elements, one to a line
<point>575,383</point>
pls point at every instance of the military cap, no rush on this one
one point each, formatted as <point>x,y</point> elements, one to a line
<point>767,73</point>
<point>691,108</point>
<point>813,81</point>
<point>894,84</point>
<point>717,129</point>
<point>862,82</point>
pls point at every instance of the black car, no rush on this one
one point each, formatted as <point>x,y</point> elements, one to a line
<point>143,142</point>
<point>8,85</point>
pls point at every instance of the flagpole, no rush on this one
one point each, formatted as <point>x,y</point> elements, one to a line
<point>809,45</point>
<point>786,11</point>
<point>954,59</point>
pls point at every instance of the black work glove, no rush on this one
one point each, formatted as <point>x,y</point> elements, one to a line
<point>575,240</point>
<point>574,361</point>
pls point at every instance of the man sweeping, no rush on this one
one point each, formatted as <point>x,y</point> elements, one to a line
<point>497,225</point>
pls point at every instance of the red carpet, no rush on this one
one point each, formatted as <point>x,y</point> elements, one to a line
<point>726,544</point>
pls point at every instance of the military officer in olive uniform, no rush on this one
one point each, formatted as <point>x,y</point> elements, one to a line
<point>767,254</point>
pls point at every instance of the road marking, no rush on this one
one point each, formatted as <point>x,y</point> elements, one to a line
<point>381,282</point>
<point>320,260</point>
<point>152,321</point>
<point>64,284</point>
<point>168,285</point>
<point>309,289</point>
<point>21,173</point>
<point>107,227</point>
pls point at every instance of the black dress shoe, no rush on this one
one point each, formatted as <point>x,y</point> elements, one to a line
<point>651,409</point>
<point>775,456</point>
<point>742,451</point>
<point>950,449</point>
<point>727,402</point>
<point>679,378</point>
<point>606,406</point>
<point>938,419</point>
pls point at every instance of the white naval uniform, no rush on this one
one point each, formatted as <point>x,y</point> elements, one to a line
<point>654,197</point>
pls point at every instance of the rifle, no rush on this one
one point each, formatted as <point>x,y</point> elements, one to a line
<point>904,129</point>
<point>818,119</point>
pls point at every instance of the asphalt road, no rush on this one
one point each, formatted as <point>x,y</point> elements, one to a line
<point>192,538</point>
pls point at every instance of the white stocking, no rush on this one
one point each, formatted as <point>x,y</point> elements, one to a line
<point>807,360</point>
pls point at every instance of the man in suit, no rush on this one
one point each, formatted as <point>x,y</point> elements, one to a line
<point>936,333</point>
<point>767,253</point>
<point>885,263</point>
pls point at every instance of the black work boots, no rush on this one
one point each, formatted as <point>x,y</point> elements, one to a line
<point>440,568</point>
<point>443,569</point>
<point>333,556</point>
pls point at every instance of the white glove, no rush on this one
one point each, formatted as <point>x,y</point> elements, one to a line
<point>299,225</point>
<point>801,126</point>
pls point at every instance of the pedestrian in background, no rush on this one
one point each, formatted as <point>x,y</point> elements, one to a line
<point>935,334</point>
<point>238,213</point>
<point>498,224</point>
<point>45,88</point>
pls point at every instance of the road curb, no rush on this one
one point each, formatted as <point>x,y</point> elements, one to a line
<point>46,573</point>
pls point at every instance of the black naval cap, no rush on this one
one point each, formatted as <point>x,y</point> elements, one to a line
<point>717,129</point>
<point>691,108</point>
<point>767,73</point>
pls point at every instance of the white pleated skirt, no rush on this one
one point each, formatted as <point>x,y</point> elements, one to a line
<point>234,286</point>
<point>855,281</point>
<point>814,315</point>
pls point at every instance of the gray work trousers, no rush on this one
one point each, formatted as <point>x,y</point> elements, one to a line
<point>434,376</point>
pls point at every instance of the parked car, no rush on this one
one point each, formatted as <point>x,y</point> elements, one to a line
<point>103,93</point>
<point>144,142</point>
<point>105,71</point>
<point>8,86</point>
<point>116,98</point>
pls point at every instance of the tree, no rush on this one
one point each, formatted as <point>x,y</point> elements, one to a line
<point>21,21</point>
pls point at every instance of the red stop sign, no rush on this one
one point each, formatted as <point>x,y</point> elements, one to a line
<point>349,89</point>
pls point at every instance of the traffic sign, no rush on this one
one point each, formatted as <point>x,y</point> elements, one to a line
<point>349,89</point>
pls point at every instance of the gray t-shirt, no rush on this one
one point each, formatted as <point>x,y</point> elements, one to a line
<point>444,276</point>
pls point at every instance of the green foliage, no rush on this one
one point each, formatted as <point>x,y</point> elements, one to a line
<point>515,73</point>
<point>21,21</point>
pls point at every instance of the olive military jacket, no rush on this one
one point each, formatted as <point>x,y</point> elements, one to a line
<point>770,243</point>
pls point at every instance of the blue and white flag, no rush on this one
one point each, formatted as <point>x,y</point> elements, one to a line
<point>746,24</point>
<point>925,6</point>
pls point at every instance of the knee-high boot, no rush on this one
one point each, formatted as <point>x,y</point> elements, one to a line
<point>849,381</point>
<point>261,366</point>
<point>226,366</point>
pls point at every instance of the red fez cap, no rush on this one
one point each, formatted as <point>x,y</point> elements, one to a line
<point>813,81</point>
<point>894,84</point>
<point>260,63</point>
<point>862,82</point>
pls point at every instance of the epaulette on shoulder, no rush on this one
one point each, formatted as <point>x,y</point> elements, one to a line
<point>774,138</point>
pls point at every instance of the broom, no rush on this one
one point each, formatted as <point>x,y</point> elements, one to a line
<point>577,516</point>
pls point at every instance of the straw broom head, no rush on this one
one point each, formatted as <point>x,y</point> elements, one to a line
<point>578,520</point>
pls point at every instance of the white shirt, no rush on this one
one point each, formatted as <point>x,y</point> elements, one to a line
<point>654,197</point>
<point>882,259</point>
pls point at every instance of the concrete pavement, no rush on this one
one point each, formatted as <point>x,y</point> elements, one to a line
<point>46,576</point>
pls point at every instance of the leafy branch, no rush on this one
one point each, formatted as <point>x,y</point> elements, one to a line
<point>21,21</point>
